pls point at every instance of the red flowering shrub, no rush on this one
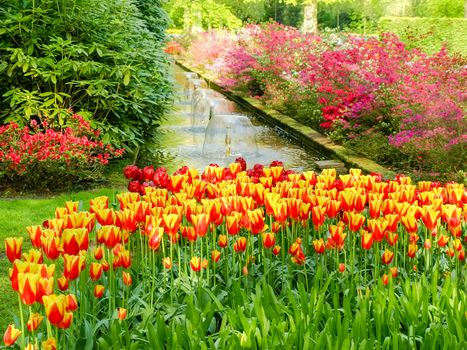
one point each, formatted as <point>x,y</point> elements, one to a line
<point>173,48</point>
<point>399,106</point>
<point>37,157</point>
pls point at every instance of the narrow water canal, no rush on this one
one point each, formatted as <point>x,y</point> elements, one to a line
<point>198,139</point>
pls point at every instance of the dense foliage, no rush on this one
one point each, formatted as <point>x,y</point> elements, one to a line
<point>39,158</point>
<point>428,34</point>
<point>103,59</point>
<point>248,258</point>
<point>398,106</point>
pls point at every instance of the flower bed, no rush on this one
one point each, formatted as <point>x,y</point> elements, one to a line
<point>397,106</point>
<point>237,257</point>
<point>39,157</point>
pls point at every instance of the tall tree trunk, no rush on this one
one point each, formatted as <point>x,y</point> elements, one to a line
<point>310,16</point>
<point>192,18</point>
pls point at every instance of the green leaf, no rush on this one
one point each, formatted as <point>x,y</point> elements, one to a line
<point>126,78</point>
<point>48,103</point>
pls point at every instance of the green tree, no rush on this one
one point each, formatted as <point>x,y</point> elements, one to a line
<point>310,12</point>
<point>196,15</point>
<point>440,8</point>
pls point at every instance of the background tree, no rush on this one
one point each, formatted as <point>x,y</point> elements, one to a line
<point>196,15</point>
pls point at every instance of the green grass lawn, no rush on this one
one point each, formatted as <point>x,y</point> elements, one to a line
<point>15,215</point>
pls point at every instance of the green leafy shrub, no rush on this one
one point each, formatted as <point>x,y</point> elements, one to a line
<point>99,58</point>
<point>428,34</point>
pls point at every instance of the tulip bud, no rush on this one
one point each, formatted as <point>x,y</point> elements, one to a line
<point>99,291</point>
<point>342,267</point>
<point>385,279</point>
<point>122,313</point>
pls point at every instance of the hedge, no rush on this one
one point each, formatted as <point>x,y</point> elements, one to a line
<point>428,33</point>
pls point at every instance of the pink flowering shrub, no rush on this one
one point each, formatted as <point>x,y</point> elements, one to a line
<point>399,106</point>
<point>37,157</point>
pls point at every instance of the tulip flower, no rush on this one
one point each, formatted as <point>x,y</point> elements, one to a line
<point>337,236</point>
<point>155,238</point>
<point>125,258</point>
<point>347,200</point>
<point>105,265</point>
<point>461,255</point>
<point>269,240</point>
<point>410,223</point>
<point>391,238</point>
<point>195,264</point>
<point>215,256</point>
<point>99,291</point>
<point>111,235</point>
<point>51,244</point>
<point>72,266</point>
<point>256,221</point>
<point>294,247</point>
<point>387,257</point>
<point>167,263</point>
<point>71,302</point>
<point>359,202</point>
<point>377,228</point>
<point>34,321</point>
<point>318,215</point>
<point>66,321</point>
<point>367,240</point>
<point>443,240</point>
<point>333,208</point>
<point>75,240</point>
<point>388,207</point>
<point>298,258</point>
<point>35,233</point>
<point>280,210</point>
<point>356,221</point>
<point>126,278</point>
<point>95,271</point>
<point>11,334</point>
<point>223,241</point>
<point>276,250</point>
<point>62,283</point>
<point>55,308</point>
<point>49,344</point>
<point>54,224</point>
<point>240,245</point>
<point>171,223</point>
<point>204,263</point>
<point>412,250</point>
<point>318,246</point>
<point>374,207</point>
<point>61,213</point>
<point>33,256</point>
<point>101,202</point>
<point>394,271</point>
<point>392,220</point>
<point>45,286</point>
<point>385,279</point>
<point>122,313</point>
<point>430,217</point>
<point>233,223</point>
<point>13,248</point>
<point>27,287</point>
<point>200,223</point>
